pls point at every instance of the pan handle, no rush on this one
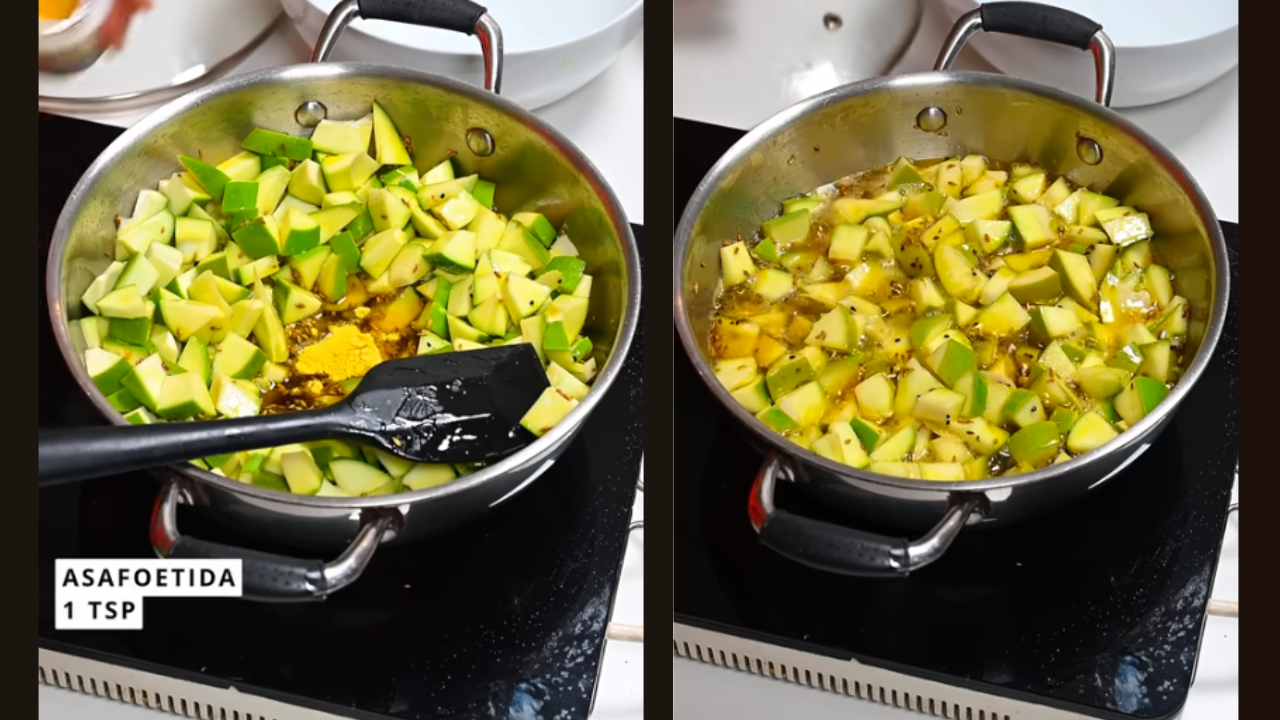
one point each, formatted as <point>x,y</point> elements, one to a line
<point>1038,22</point>
<point>266,577</point>
<point>845,551</point>
<point>458,15</point>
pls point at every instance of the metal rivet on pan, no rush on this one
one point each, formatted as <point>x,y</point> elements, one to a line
<point>310,113</point>
<point>1089,150</point>
<point>480,142</point>
<point>832,21</point>
<point>931,119</point>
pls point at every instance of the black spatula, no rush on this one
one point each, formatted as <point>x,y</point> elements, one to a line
<point>447,408</point>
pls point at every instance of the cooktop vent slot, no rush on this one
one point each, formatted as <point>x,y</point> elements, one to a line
<point>181,698</point>
<point>852,679</point>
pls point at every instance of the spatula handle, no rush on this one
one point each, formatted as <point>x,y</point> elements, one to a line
<point>83,453</point>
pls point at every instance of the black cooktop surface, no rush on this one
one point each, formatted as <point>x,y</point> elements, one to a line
<point>1098,608</point>
<point>503,618</point>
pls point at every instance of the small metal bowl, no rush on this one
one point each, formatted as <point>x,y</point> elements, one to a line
<point>71,45</point>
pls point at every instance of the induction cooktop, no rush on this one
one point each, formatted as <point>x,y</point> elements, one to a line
<point>503,618</point>
<point>1094,611</point>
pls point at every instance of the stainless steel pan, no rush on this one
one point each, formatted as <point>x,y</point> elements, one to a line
<point>534,167</point>
<point>939,114</point>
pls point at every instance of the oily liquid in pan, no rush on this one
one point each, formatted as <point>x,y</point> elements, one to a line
<point>1015,355</point>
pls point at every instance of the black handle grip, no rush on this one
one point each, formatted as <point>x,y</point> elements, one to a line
<point>265,577</point>
<point>83,453</point>
<point>1039,22</point>
<point>833,548</point>
<point>457,15</point>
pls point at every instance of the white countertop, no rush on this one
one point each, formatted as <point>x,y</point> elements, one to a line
<point>1202,130</point>
<point>604,120</point>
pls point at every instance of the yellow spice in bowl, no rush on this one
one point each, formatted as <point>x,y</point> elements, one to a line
<point>57,9</point>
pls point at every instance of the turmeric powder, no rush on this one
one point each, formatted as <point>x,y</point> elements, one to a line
<point>346,353</point>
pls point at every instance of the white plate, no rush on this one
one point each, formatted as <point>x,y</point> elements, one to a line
<point>175,41</point>
<point>1164,48</point>
<point>552,47</point>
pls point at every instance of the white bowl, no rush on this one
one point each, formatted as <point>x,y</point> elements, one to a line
<point>738,62</point>
<point>552,47</point>
<point>175,41</point>
<point>1165,49</point>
